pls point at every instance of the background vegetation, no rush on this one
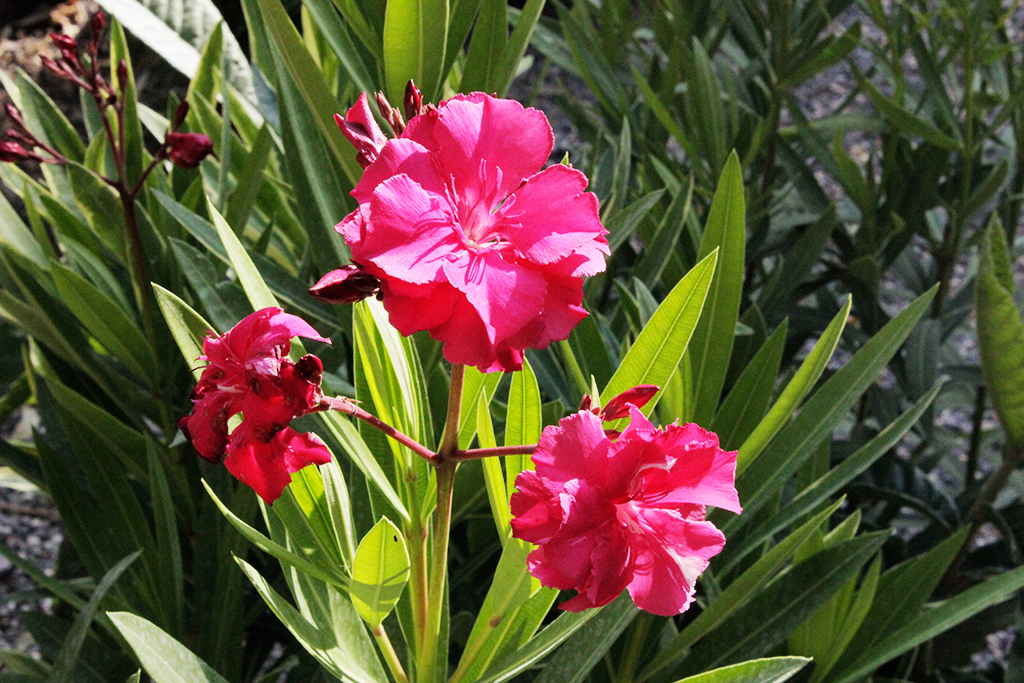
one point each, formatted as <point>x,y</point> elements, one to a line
<point>881,488</point>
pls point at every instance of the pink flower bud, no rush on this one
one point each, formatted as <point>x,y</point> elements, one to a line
<point>346,285</point>
<point>179,115</point>
<point>122,73</point>
<point>97,23</point>
<point>66,44</point>
<point>413,100</point>
<point>51,65</point>
<point>188,149</point>
<point>12,152</point>
<point>618,407</point>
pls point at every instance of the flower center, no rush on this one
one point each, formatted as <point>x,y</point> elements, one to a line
<point>477,207</point>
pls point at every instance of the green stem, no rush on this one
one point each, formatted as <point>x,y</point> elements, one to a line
<point>386,649</point>
<point>445,469</point>
<point>574,367</point>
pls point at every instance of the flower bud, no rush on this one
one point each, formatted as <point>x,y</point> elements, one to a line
<point>179,115</point>
<point>188,149</point>
<point>413,100</point>
<point>393,117</point>
<point>66,44</point>
<point>618,407</point>
<point>12,152</point>
<point>97,23</point>
<point>346,285</point>
<point>122,73</point>
<point>51,65</point>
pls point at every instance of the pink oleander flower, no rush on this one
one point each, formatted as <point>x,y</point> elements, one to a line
<point>249,373</point>
<point>471,240</point>
<point>627,514</point>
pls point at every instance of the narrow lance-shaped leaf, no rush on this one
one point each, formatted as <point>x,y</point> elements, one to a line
<point>656,353</point>
<point>1000,333</point>
<point>770,670</point>
<point>415,38</point>
<point>711,347</point>
<point>795,391</point>
<point>379,572</point>
<point>165,659</point>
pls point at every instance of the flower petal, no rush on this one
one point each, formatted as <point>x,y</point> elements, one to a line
<point>478,132</point>
<point>409,233</point>
<point>505,297</point>
<point>550,217</point>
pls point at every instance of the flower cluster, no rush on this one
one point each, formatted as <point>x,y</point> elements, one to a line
<point>467,236</point>
<point>249,373</point>
<point>610,515</point>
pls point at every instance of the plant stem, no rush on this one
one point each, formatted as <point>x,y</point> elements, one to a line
<point>445,469</point>
<point>386,649</point>
<point>480,453</point>
<point>349,407</point>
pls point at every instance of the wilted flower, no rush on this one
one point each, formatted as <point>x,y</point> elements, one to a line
<point>608,515</point>
<point>188,149</point>
<point>249,373</point>
<point>469,238</point>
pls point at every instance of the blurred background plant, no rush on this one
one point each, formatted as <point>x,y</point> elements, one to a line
<point>874,143</point>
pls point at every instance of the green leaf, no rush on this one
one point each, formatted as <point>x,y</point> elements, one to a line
<point>168,544</point>
<point>187,327</point>
<point>711,347</point>
<point>495,631</point>
<point>67,658</point>
<point>14,234</point>
<point>552,636</point>
<point>516,46</point>
<point>379,572</point>
<point>133,147</point>
<point>771,670</point>
<point>346,436</point>
<point>328,626</point>
<point>838,476</point>
<point>744,407</point>
<point>1000,333</point>
<point>786,603</point>
<point>490,35</point>
<point>738,594</point>
<point>902,592</point>
<point>523,422</point>
<point>932,622</point>
<point>100,205</point>
<point>178,35</point>
<point>277,550</point>
<point>905,121</point>
<point>415,39</point>
<point>252,282</point>
<point>165,659</point>
<point>795,390</point>
<point>656,353</point>
<point>823,412</point>
<point>307,77</point>
<point>575,659</point>
<point>241,200</point>
<point>494,478</point>
<point>107,322</point>
<point>55,126</point>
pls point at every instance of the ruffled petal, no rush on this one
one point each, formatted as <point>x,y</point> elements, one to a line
<point>409,233</point>
<point>487,137</point>
<point>506,298</point>
<point>550,217</point>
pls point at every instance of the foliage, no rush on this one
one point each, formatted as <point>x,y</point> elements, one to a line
<point>766,302</point>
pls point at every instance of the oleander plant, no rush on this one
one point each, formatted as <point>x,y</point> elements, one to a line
<point>345,367</point>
